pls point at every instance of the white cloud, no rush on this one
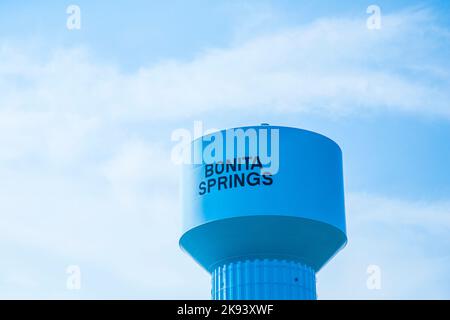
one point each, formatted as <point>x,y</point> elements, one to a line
<point>407,240</point>
<point>138,168</point>
<point>120,222</point>
<point>78,188</point>
<point>332,66</point>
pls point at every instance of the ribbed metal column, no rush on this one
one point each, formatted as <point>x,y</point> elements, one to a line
<point>263,280</point>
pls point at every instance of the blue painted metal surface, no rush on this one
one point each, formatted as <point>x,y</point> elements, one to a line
<point>263,280</point>
<point>299,217</point>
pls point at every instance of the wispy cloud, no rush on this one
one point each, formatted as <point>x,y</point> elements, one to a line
<point>78,188</point>
<point>332,66</point>
<point>408,240</point>
<point>119,221</point>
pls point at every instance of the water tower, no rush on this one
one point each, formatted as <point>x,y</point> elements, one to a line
<point>263,210</point>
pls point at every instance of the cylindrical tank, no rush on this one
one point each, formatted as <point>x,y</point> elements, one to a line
<point>263,210</point>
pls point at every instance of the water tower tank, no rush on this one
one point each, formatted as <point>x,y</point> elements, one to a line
<point>263,210</point>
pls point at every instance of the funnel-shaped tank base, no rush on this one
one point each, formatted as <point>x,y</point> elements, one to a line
<point>263,279</point>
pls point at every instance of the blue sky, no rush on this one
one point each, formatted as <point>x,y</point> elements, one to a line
<point>86,117</point>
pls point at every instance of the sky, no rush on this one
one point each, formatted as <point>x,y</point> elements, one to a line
<point>86,116</point>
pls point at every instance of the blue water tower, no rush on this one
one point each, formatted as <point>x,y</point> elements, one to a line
<point>263,210</point>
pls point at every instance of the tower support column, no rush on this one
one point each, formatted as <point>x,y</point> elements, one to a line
<point>263,279</point>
